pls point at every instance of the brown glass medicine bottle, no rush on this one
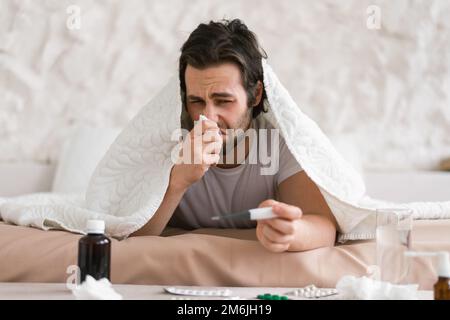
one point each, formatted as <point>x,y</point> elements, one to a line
<point>94,252</point>
<point>441,287</point>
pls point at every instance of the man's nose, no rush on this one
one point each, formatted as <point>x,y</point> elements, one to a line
<point>211,113</point>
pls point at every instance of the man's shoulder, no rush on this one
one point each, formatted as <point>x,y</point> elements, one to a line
<point>263,123</point>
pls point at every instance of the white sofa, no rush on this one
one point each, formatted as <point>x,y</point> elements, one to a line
<point>22,178</point>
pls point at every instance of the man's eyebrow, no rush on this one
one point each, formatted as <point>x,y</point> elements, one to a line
<point>221,95</point>
<point>192,97</point>
<point>213,95</point>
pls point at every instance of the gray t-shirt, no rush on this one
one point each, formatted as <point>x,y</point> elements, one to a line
<point>225,191</point>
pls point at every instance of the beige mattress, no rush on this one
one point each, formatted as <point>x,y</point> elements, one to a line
<point>207,257</point>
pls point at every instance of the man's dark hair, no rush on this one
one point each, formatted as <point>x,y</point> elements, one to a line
<point>220,42</point>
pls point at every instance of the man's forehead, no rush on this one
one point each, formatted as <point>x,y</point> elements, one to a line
<point>224,78</point>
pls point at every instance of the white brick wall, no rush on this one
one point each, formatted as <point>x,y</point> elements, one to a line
<point>387,90</point>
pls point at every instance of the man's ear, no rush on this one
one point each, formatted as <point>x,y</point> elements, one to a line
<point>259,92</point>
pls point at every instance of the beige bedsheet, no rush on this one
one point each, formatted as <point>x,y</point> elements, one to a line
<point>208,257</point>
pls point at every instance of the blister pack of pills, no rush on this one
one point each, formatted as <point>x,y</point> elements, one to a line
<point>312,292</point>
<point>200,293</point>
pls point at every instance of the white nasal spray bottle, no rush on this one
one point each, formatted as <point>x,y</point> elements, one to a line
<point>441,287</point>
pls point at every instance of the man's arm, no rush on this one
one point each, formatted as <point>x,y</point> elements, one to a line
<point>185,173</point>
<point>317,226</point>
<point>304,219</point>
<point>158,222</point>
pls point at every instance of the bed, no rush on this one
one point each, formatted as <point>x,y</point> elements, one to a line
<point>215,257</point>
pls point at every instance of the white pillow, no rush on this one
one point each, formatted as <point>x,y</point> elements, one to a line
<point>79,157</point>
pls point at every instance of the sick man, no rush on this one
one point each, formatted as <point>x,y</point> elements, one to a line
<point>221,78</point>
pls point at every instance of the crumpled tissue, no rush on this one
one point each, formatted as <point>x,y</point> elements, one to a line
<point>92,289</point>
<point>365,288</point>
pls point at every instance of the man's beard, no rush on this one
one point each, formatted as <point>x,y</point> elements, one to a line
<point>235,135</point>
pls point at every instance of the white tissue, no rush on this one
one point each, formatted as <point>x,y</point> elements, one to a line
<point>92,289</point>
<point>365,288</point>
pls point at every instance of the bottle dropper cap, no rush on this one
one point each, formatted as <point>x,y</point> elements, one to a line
<point>95,226</point>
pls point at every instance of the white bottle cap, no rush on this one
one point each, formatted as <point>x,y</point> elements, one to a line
<point>95,226</point>
<point>443,264</point>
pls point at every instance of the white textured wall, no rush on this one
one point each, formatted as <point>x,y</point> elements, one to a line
<point>386,90</point>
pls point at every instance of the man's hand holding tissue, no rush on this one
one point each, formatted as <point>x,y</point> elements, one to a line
<point>200,149</point>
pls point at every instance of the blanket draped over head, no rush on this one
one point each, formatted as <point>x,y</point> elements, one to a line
<point>130,181</point>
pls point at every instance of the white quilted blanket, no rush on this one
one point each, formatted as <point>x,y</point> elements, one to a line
<point>129,183</point>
